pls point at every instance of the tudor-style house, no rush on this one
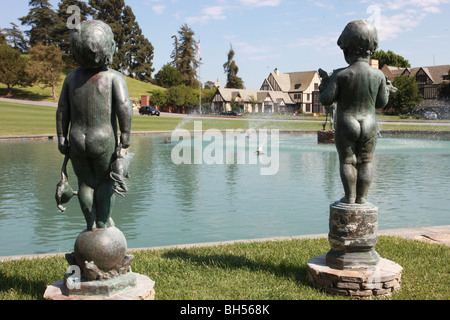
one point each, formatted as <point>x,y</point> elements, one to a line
<point>302,87</point>
<point>428,78</point>
<point>279,93</point>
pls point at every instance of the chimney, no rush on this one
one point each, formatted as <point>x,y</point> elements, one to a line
<point>277,72</point>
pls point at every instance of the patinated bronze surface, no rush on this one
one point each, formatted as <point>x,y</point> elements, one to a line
<point>93,100</point>
<point>94,103</point>
<point>358,90</point>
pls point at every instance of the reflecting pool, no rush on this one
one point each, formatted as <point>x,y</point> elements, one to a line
<point>190,203</point>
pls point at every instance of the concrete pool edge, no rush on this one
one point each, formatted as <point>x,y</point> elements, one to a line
<point>436,234</point>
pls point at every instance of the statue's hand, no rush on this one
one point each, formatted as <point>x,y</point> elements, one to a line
<point>63,145</point>
<point>324,75</point>
<point>125,140</point>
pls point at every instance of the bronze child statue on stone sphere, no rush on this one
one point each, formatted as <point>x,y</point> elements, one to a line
<point>93,100</point>
<point>358,89</point>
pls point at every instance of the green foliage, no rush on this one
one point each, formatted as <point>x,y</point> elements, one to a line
<point>168,76</point>
<point>61,33</point>
<point>391,59</point>
<point>158,98</point>
<point>41,18</point>
<point>231,70</point>
<point>13,68</point>
<point>16,39</point>
<point>134,53</point>
<point>182,95</point>
<point>406,98</point>
<point>444,89</point>
<point>46,65</point>
<point>185,60</point>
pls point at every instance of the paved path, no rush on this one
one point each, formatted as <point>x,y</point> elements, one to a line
<point>437,235</point>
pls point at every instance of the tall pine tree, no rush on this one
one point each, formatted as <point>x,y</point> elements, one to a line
<point>231,70</point>
<point>15,38</point>
<point>41,18</point>
<point>186,52</point>
<point>61,33</point>
<point>134,52</point>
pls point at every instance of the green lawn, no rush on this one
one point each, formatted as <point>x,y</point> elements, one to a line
<point>136,89</point>
<point>270,270</point>
<point>22,119</point>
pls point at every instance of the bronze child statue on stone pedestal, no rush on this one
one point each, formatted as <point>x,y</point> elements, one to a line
<point>358,90</point>
<point>94,99</point>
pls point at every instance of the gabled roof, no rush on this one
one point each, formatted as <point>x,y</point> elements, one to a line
<point>294,81</point>
<point>244,94</point>
<point>436,73</point>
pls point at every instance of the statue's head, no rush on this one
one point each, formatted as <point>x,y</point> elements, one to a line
<point>92,44</point>
<point>358,40</point>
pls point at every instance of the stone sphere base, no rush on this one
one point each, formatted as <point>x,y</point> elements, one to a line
<point>368,284</point>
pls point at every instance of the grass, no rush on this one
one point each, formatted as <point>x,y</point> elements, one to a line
<point>23,119</point>
<point>270,270</point>
<point>37,92</point>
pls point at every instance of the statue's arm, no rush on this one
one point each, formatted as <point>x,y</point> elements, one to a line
<point>63,119</point>
<point>124,109</point>
<point>383,94</point>
<point>329,90</point>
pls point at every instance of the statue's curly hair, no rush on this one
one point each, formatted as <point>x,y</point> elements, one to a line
<point>92,44</point>
<point>359,38</point>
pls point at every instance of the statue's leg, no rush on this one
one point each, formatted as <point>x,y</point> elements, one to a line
<point>365,169</point>
<point>345,145</point>
<point>84,173</point>
<point>104,192</point>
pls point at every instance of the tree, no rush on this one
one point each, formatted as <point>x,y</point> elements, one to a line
<point>391,59</point>
<point>444,89</point>
<point>2,37</point>
<point>175,53</point>
<point>182,95</point>
<point>231,70</point>
<point>134,53</point>
<point>46,65</point>
<point>139,51</point>
<point>158,98</point>
<point>16,39</point>
<point>406,98</point>
<point>42,19</point>
<point>186,52</point>
<point>168,76</point>
<point>13,69</point>
<point>61,33</point>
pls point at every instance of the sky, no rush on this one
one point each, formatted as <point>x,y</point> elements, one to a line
<point>289,35</point>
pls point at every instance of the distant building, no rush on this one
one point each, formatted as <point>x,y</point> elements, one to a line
<point>428,78</point>
<point>279,93</point>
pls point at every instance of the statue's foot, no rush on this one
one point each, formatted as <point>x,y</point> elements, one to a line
<point>347,200</point>
<point>360,200</point>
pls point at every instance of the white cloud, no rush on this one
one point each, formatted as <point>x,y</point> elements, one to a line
<point>260,3</point>
<point>159,9</point>
<point>209,13</point>
<point>399,16</point>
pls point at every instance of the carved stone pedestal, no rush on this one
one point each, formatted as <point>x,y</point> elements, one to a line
<point>352,266</point>
<point>353,236</point>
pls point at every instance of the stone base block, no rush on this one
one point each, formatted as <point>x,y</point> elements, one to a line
<point>367,284</point>
<point>325,137</point>
<point>142,290</point>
